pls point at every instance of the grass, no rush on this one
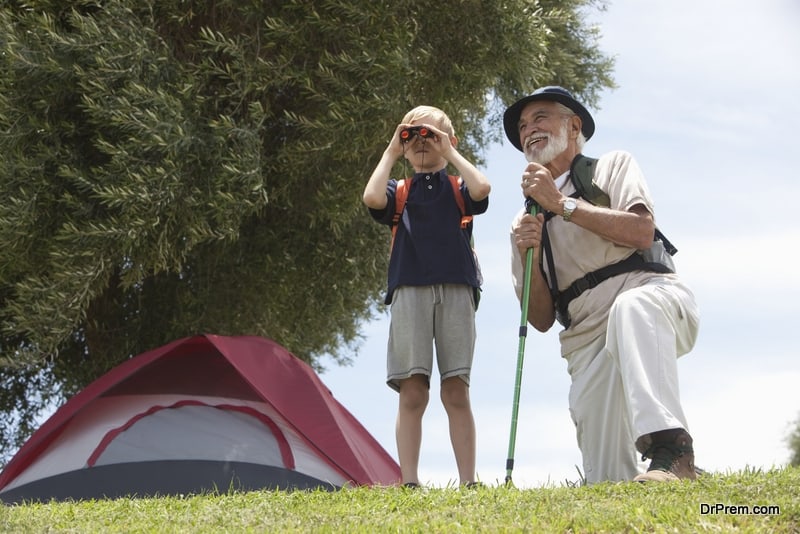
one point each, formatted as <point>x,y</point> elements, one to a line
<point>627,507</point>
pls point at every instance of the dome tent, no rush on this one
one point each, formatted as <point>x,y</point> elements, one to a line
<point>206,413</point>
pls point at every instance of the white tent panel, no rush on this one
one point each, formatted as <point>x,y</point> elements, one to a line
<point>196,433</point>
<point>209,429</point>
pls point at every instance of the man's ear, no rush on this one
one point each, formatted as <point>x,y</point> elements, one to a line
<point>575,125</point>
<point>454,141</point>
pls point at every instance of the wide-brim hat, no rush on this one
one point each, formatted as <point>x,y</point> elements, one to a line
<point>555,94</point>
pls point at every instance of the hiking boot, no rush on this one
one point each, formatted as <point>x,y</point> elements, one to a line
<point>672,457</point>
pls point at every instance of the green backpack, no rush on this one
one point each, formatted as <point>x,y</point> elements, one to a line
<point>658,258</point>
<point>582,175</point>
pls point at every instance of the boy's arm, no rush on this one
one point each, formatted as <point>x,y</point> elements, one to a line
<point>375,191</point>
<point>477,184</point>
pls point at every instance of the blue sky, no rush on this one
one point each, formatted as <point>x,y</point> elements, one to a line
<point>708,105</point>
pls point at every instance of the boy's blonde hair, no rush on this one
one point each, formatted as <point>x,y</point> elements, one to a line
<point>439,117</point>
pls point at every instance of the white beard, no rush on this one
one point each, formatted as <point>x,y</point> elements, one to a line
<point>556,144</point>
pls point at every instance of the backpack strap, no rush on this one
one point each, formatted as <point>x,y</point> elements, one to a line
<point>581,173</point>
<point>401,198</point>
<point>455,183</point>
<point>561,299</point>
<point>634,262</point>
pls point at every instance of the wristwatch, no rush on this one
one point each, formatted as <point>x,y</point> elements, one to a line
<point>569,206</point>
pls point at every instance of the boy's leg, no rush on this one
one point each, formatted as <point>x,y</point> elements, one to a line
<point>414,393</point>
<point>454,335</point>
<point>455,398</point>
<point>410,358</point>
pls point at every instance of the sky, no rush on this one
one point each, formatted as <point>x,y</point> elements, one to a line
<point>707,103</point>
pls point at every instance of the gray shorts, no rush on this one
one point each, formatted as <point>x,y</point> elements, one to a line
<point>422,316</point>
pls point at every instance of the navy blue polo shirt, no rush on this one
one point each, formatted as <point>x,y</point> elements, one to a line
<point>430,247</point>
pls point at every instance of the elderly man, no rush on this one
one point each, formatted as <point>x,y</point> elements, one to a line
<point>599,270</point>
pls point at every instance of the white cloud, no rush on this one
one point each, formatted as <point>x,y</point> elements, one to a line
<point>743,265</point>
<point>722,43</point>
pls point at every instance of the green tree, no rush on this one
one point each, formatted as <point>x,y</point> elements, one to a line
<point>173,167</point>
<point>793,441</point>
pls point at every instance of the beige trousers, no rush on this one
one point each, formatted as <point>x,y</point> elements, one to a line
<point>626,382</point>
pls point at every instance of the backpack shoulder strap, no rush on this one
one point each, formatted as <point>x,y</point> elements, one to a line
<point>581,173</point>
<point>455,183</point>
<point>400,199</point>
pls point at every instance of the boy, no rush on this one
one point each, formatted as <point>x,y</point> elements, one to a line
<point>433,280</point>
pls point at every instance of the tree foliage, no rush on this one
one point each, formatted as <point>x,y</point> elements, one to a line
<point>793,441</point>
<point>173,167</point>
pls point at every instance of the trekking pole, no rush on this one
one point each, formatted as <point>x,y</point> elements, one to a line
<point>532,208</point>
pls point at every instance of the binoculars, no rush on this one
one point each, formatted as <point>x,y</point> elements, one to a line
<point>407,134</point>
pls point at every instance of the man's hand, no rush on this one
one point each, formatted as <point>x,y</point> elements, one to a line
<point>538,184</point>
<point>528,234</point>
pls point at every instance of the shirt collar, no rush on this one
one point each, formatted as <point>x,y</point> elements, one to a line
<point>561,181</point>
<point>422,175</point>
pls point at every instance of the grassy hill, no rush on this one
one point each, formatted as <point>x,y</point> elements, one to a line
<point>747,501</point>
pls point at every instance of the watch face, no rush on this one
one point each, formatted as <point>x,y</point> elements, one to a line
<point>570,204</point>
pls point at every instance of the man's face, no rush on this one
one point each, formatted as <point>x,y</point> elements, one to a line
<point>543,131</point>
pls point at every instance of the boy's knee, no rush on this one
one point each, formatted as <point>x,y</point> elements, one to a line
<point>455,393</point>
<point>414,393</point>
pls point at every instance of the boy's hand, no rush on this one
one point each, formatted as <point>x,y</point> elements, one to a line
<point>396,148</point>
<point>440,142</point>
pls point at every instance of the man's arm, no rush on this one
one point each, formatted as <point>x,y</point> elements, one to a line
<point>633,228</point>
